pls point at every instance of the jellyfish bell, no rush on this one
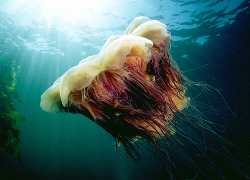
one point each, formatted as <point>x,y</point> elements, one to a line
<point>134,90</point>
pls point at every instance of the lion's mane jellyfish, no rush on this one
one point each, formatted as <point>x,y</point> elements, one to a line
<point>131,88</point>
<point>134,90</point>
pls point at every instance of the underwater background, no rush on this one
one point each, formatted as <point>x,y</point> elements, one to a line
<point>210,43</point>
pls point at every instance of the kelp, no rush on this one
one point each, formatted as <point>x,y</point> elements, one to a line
<point>9,117</point>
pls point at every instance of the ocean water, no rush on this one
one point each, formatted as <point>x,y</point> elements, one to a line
<point>210,43</point>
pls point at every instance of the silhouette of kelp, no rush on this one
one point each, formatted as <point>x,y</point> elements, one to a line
<point>9,117</point>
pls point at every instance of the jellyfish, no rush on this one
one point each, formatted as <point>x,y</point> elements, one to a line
<point>134,90</point>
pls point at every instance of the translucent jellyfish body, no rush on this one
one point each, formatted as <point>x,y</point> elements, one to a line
<point>134,90</point>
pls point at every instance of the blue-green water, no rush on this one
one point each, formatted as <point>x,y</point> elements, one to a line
<point>210,43</point>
